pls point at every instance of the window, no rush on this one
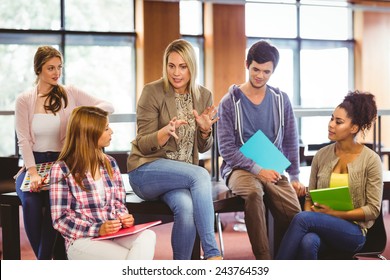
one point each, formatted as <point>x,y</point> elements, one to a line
<point>99,15</point>
<point>25,14</point>
<point>191,17</point>
<point>191,29</point>
<point>99,55</point>
<point>315,22</point>
<point>316,59</point>
<point>270,20</point>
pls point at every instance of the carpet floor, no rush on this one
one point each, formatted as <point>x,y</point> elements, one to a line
<point>236,243</point>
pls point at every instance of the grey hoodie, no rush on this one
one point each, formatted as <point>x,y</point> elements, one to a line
<point>230,130</point>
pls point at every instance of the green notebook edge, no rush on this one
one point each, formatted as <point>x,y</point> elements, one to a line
<point>337,198</point>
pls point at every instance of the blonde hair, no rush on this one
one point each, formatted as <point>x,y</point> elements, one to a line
<point>81,152</point>
<point>187,52</point>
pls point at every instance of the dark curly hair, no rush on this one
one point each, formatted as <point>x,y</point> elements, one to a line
<point>361,108</point>
<point>262,52</point>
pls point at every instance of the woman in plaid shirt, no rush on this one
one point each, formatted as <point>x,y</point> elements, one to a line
<point>87,195</point>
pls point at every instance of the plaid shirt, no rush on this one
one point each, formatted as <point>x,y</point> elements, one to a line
<point>77,213</point>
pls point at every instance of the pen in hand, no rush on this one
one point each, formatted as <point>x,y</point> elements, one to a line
<point>127,220</point>
<point>44,179</point>
<point>110,226</point>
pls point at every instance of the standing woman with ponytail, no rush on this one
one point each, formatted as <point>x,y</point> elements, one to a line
<point>41,117</point>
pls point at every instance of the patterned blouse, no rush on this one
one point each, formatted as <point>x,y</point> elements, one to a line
<point>79,214</point>
<point>186,133</point>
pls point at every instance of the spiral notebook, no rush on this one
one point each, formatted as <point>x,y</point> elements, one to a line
<point>337,198</point>
<point>261,150</point>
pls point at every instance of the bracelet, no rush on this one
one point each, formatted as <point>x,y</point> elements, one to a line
<point>206,132</point>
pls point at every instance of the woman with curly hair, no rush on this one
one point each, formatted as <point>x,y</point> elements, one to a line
<point>346,162</point>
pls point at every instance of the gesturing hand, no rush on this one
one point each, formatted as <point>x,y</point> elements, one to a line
<point>173,125</point>
<point>206,119</point>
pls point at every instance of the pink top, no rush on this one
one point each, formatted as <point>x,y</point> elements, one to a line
<point>24,112</point>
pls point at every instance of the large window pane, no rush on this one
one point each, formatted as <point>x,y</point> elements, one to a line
<point>198,43</point>
<point>106,72</point>
<point>323,85</point>
<point>123,134</point>
<point>191,17</point>
<point>324,82</point>
<point>319,22</point>
<point>7,132</point>
<point>270,20</point>
<point>99,15</point>
<point>17,72</point>
<point>27,14</point>
<point>103,71</point>
<point>282,77</point>
<point>314,130</point>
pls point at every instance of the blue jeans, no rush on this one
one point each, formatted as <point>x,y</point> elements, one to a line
<point>311,232</point>
<point>186,188</point>
<point>36,214</point>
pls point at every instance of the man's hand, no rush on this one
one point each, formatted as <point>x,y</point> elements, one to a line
<point>299,188</point>
<point>269,176</point>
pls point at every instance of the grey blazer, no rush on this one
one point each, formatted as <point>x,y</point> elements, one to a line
<point>155,109</point>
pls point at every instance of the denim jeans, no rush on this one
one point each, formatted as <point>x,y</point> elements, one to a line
<point>36,214</point>
<point>281,199</point>
<point>186,188</point>
<point>311,232</point>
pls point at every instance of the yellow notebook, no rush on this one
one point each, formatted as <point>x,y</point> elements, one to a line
<point>337,198</point>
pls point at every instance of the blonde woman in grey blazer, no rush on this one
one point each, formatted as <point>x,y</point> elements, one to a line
<point>174,120</point>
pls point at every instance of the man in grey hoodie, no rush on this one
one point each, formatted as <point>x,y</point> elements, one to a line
<point>244,110</point>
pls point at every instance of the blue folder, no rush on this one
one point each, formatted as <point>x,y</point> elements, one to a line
<point>262,151</point>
